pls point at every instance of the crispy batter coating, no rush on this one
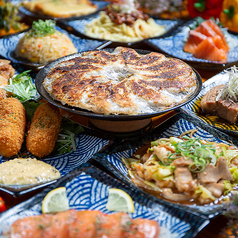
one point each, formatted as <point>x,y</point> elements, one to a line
<point>12,126</point>
<point>44,130</point>
<point>6,72</point>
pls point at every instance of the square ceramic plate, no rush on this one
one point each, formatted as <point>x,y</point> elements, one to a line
<point>79,25</point>
<point>111,158</point>
<point>193,107</point>
<point>87,189</point>
<point>86,145</point>
<point>173,45</point>
<point>9,43</point>
<point>100,5</point>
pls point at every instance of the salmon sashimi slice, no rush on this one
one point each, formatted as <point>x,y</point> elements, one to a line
<point>43,226</point>
<point>194,39</point>
<point>205,29</point>
<point>219,43</point>
<point>209,51</point>
<point>144,228</point>
<point>84,224</point>
<point>113,226</point>
<point>218,31</point>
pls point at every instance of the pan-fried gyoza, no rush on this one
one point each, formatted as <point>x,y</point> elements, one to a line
<point>186,170</point>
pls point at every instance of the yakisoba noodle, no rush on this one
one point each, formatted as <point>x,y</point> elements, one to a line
<point>104,28</point>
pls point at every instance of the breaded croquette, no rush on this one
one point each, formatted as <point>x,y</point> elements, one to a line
<point>6,72</point>
<point>12,126</point>
<point>44,130</point>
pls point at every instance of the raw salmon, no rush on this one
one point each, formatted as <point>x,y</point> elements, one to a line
<point>208,50</point>
<point>207,41</point>
<point>218,31</point>
<point>194,39</point>
<point>84,224</point>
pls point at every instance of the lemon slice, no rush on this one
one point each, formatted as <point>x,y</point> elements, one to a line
<point>55,201</point>
<point>119,201</point>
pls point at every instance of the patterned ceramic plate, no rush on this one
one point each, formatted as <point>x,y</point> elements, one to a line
<point>193,108</point>
<point>111,158</point>
<point>87,145</point>
<point>87,189</point>
<point>79,25</point>
<point>9,43</point>
<point>173,45</point>
<point>100,5</point>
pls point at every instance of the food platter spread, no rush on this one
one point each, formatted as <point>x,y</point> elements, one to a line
<point>143,116</point>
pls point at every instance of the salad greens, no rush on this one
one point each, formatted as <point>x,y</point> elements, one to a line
<point>66,141</point>
<point>21,87</point>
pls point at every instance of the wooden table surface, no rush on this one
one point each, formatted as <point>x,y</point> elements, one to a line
<point>217,227</point>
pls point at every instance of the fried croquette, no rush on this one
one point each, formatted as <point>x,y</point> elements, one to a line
<point>44,130</point>
<point>12,126</point>
<point>6,72</point>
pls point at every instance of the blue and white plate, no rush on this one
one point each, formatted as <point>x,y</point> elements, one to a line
<point>111,158</point>
<point>87,189</point>
<point>79,25</point>
<point>86,146</point>
<point>173,45</point>
<point>193,107</point>
<point>100,5</point>
<point>9,43</point>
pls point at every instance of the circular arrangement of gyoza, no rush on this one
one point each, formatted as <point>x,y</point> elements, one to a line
<point>121,82</point>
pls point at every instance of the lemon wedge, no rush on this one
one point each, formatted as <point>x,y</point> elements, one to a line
<point>55,201</point>
<point>119,201</point>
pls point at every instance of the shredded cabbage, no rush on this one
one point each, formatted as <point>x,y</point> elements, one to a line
<point>230,92</point>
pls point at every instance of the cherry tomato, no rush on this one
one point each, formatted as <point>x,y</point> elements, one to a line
<point>2,205</point>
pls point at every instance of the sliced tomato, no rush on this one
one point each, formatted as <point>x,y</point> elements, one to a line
<point>2,205</point>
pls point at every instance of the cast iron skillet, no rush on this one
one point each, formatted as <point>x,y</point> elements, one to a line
<point>43,73</point>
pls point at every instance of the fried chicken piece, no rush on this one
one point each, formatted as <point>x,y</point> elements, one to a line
<point>44,130</point>
<point>12,126</point>
<point>6,72</point>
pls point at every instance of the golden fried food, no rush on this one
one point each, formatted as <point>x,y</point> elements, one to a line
<point>44,130</point>
<point>6,72</point>
<point>12,126</point>
<point>121,82</point>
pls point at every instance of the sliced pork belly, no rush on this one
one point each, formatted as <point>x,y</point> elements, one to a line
<point>215,188</point>
<point>209,102</point>
<point>182,161</point>
<point>228,110</point>
<point>184,181</point>
<point>212,174</point>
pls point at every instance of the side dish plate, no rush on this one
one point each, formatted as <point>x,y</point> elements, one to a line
<point>9,43</point>
<point>86,146</point>
<point>100,5</point>
<point>43,74</point>
<point>111,158</point>
<point>173,222</point>
<point>173,45</point>
<point>79,25</point>
<point>193,107</point>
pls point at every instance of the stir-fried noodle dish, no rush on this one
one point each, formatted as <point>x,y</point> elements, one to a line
<point>187,170</point>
